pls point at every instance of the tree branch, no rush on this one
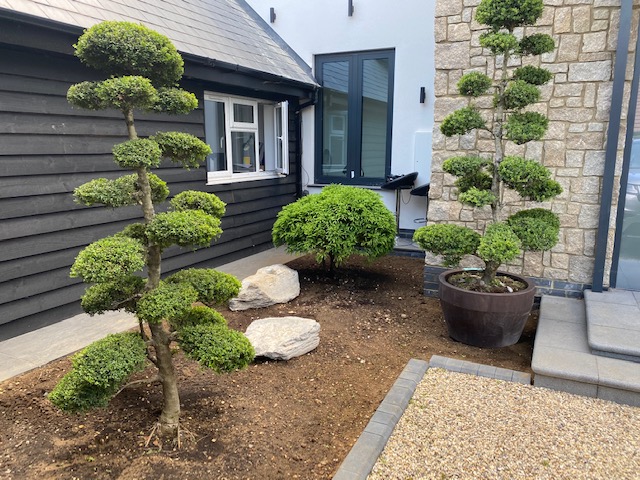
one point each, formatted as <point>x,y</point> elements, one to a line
<point>137,382</point>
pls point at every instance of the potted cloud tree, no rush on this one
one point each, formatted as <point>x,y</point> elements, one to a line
<point>484,307</point>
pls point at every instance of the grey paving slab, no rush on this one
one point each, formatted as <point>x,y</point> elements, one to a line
<point>636,295</point>
<point>618,374</point>
<point>615,340</point>
<point>561,334</point>
<point>565,385</point>
<point>619,396</point>
<point>565,309</point>
<point>618,316</point>
<point>617,297</point>
<point>567,364</point>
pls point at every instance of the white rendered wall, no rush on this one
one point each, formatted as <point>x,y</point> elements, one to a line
<point>319,27</point>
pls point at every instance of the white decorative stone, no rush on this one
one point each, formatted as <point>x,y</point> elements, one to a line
<point>282,338</point>
<point>268,286</point>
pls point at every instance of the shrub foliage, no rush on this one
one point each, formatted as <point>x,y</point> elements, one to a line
<point>481,181</point>
<point>142,69</point>
<point>336,223</point>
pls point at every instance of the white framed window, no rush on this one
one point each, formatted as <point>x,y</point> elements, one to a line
<point>248,138</point>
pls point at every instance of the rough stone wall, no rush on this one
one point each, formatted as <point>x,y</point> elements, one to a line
<point>577,103</point>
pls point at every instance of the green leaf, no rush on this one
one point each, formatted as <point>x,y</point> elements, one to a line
<point>536,44</point>
<point>537,228</point>
<point>126,93</point>
<point>509,14</point>
<point>461,121</point>
<point>182,148</point>
<point>476,197</point>
<point>199,315</point>
<point>525,127</point>
<point>532,75</point>
<point>450,241</point>
<point>499,244</point>
<point>174,101</point>
<point>113,295</point>
<point>140,152</point>
<point>519,94</point>
<point>530,179</point>
<point>474,84</point>
<point>194,200</point>
<point>192,228</point>
<point>500,43</point>
<point>217,347</point>
<point>108,260</point>
<point>124,48</point>
<point>166,302</point>
<point>213,287</point>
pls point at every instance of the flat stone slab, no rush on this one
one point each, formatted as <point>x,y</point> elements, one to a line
<point>563,360</point>
<point>613,323</point>
<point>283,338</point>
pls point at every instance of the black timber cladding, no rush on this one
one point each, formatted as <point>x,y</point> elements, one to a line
<point>49,148</point>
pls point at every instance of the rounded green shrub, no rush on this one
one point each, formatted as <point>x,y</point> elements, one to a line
<point>126,93</point>
<point>217,347</point>
<point>124,48</point>
<point>182,148</point>
<point>191,228</point>
<point>500,43</point>
<point>106,192</point>
<point>108,259</point>
<point>461,121</point>
<point>499,244</point>
<point>166,302</point>
<point>467,165</point>
<point>198,315</point>
<point>525,127</point>
<point>474,84</point>
<point>194,200</point>
<point>99,371</point>
<point>519,94</point>
<point>140,152</point>
<point>479,181</point>
<point>174,101</point>
<point>114,295</point>
<point>537,228</point>
<point>509,13</point>
<point>477,197</point>
<point>213,287</point>
<point>336,223</point>
<point>536,44</point>
<point>450,241</point>
<point>529,178</point>
<point>84,95</point>
<point>532,75</point>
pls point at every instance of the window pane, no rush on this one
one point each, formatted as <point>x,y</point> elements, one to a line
<point>242,113</point>
<point>243,151</point>
<point>375,94</point>
<point>335,81</point>
<point>214,122</point>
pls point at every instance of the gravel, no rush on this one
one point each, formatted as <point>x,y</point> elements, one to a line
<point>460,426</point>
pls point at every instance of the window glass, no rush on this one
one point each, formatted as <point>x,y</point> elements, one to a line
<point>215,131</point>
<point>242,113</point>
<point>353,118</point>
<point>335,101</point>
<point>375,93</point>
<point>243,147</point>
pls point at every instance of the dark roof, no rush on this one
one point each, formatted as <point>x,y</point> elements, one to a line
<point>227,31</point>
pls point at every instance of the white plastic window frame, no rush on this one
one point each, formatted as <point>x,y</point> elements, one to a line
<point>228,176</point>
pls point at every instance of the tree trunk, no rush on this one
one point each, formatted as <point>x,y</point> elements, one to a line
<point>489,274</point>
<point>170,416</point>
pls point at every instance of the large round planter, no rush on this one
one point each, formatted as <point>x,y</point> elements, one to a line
<point>487,320</point>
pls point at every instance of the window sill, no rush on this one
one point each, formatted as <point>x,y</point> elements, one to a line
<point>368,187</point>
<point>243,177</point>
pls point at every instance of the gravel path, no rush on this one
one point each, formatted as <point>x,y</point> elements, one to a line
<point>461,426</point>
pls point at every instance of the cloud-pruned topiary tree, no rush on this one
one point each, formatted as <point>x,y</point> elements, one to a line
<point>481,181</point>
<point>143,70</point>
<point>338,222</point>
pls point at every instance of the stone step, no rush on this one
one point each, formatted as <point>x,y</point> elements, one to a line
<point>562,358</point>
<point>613,324</point>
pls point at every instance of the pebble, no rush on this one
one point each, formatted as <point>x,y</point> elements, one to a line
<point>467,427</point>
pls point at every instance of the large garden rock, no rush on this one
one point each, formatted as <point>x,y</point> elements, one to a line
<point>268,286</point>
<point>282,338</point>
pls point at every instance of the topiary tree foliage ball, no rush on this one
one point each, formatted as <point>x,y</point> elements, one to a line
<point>481,181</point>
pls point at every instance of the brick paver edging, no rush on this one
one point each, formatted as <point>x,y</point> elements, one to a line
<point>364,454</point>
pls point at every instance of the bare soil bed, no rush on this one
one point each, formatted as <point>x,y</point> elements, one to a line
<point>273,420</point>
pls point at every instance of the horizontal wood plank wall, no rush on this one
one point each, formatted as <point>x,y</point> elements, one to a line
<point>48,148</point>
